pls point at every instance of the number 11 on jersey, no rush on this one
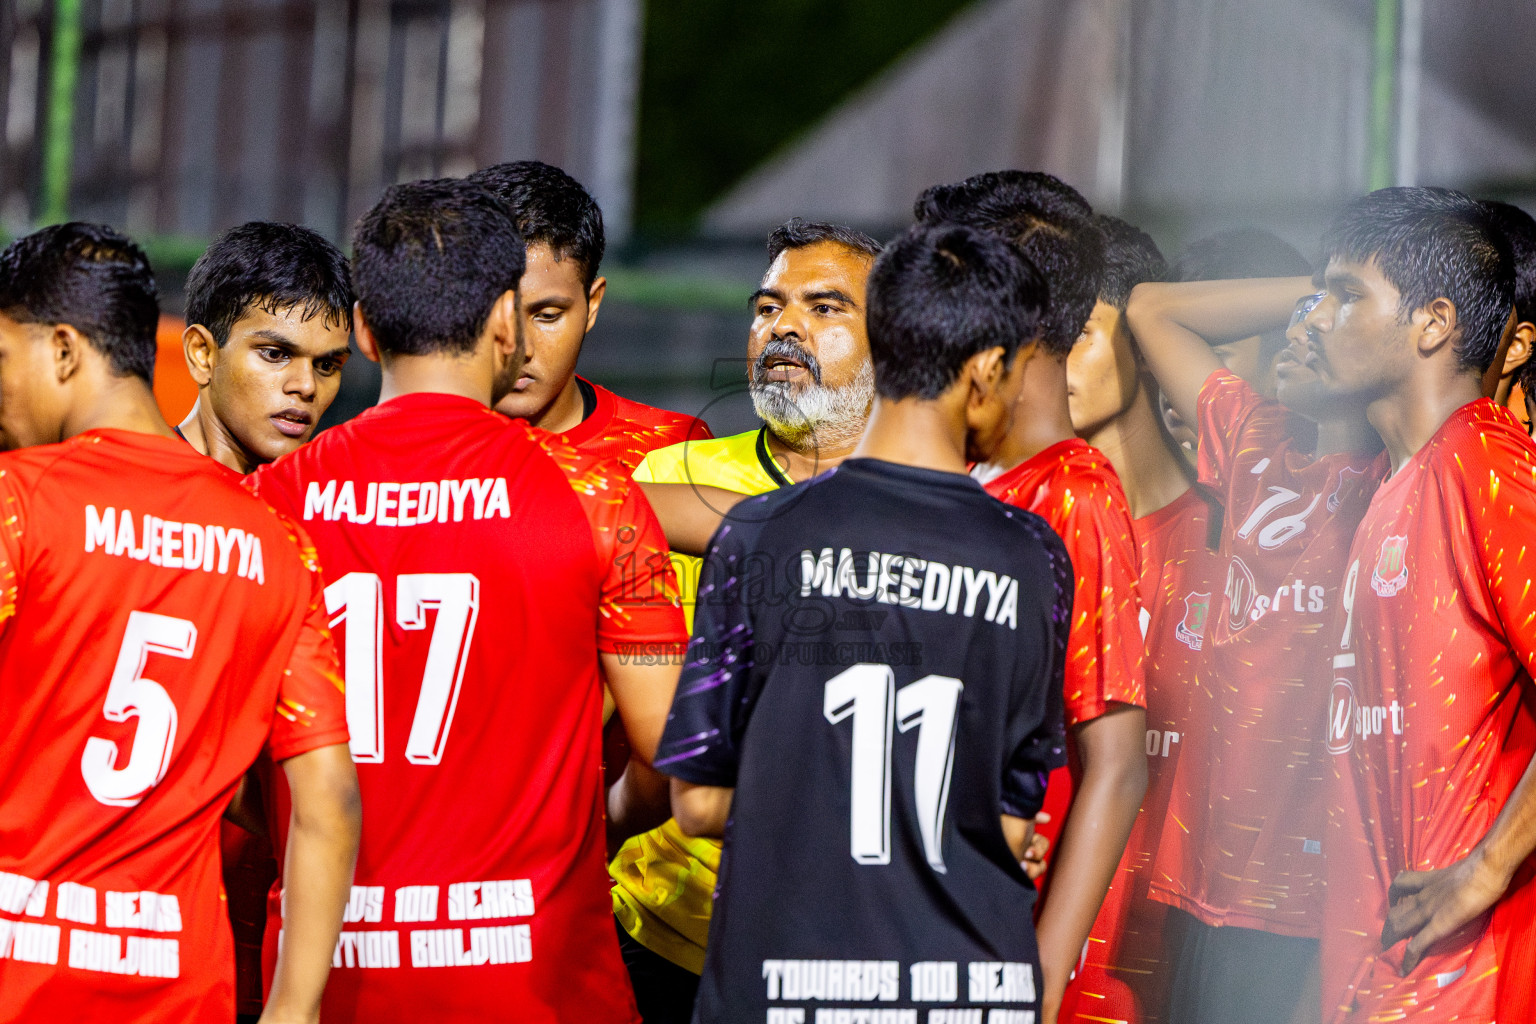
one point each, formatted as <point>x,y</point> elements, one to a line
<point>867,694</point>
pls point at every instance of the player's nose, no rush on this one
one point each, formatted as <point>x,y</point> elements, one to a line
<point>790,324</point>
<point>301,379</point>
<point>1320,317</point>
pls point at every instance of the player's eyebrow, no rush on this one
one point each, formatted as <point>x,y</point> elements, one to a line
<point>276,338</point>
<point>765,293</point>
<point>833,294</point>
<point>559,299</point>
<point>1342,279</point>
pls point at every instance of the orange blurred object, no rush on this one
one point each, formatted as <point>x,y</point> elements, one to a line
<point>1517,405</point>
<point>175,391</point>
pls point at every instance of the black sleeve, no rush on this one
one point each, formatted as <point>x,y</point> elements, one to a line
<point>1041,673</point>
<point>719,684</point>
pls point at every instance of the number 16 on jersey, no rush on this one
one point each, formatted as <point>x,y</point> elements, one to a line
<point>867,694</point>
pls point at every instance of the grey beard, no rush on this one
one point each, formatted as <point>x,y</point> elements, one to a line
<point>817,417</point>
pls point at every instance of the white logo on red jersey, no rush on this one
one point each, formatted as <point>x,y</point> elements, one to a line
<point>1335,499</point>
<point>1347,718</point>
<point>1240,593</point>
<point>1246,605</point>
<point>1341,717</point>
<point>1391,572</point>
<point>1197,610</point>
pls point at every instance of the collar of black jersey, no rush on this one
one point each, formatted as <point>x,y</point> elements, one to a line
<point>766,458</point>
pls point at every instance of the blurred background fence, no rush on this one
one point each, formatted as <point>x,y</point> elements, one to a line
<point>700,124</point>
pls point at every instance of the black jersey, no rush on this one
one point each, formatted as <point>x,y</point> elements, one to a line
<point>876,668</point>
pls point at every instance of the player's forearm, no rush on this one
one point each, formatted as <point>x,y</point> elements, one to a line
<point>1107,799</point>
<point>701,810</point>
<point>1175,326</point>
<point>637,803</point>
<point>1222,311</point>
<point>1511,839</point>
<point>642,692</point>
<point>689,513</point>
<point>317,878</point>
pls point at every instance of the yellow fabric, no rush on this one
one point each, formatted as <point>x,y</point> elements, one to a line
<point>664,881</point>
<point>730,463</point>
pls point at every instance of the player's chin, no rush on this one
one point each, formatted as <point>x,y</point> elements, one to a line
<point>1301,392</point>
<point>274,444</point>
<point>523,404</point>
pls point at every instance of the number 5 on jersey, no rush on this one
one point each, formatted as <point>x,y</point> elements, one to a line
<point>358,600</point>
<point>867,694</point>
<point>130,695</point>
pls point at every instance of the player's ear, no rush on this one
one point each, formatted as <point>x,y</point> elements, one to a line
<point>502,323</point>
<point>201,353</point>
<point>1437,325</point>
<point>69,351</point>
<point>1520,348</point>
<point>985,371</point>
<point>595,299</point>
<point>367,344</point>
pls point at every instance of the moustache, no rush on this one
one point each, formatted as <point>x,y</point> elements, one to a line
<point>779,348</point>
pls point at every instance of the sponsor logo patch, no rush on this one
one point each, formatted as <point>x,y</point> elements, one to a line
<point>1341,717</point>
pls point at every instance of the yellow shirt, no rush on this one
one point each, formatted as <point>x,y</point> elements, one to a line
<point>664,881</point>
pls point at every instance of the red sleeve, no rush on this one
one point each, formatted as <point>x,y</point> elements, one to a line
<point>1500,507</point>
<point>1104,645</point>
<point>1238,429</point>
<point>311,700</point>
<point>696,430</point>
<point>639,603</point>
<point>13,519</point>
<point>640,599</point>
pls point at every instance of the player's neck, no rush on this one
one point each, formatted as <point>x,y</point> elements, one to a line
<point>1407,418</point>
<point>1042,417</point>
<point>565,412</point>
<point>117,403</point>
<point>915,432</point>
<point>1347,434</point>
<point>1145,458</point>
<point>438,374</point>
<point>801,465</point>
<point>207,435</point>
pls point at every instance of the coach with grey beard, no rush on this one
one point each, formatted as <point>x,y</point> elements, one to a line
<point>812,383</point>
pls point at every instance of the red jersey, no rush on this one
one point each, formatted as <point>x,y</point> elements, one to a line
<point>1432,721</point>
<point>1075,489</point>
<point>1126,969</point>
<point>1246,847</point>
<point>159,626</point>
<point>474,583</point>
<point>625,431</point>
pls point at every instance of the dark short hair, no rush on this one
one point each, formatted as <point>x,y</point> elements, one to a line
<point>940,294</point>
<point>429,262</point>
<point>93,279</point>
<point>798,234</point>
<point>1239,253</point>
<point>1051,223</point>
<point>1519,229</point>
<point>273,267</point>
<point>1434,243</point>
<point>1130,258</point>
<point>551,208</point>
